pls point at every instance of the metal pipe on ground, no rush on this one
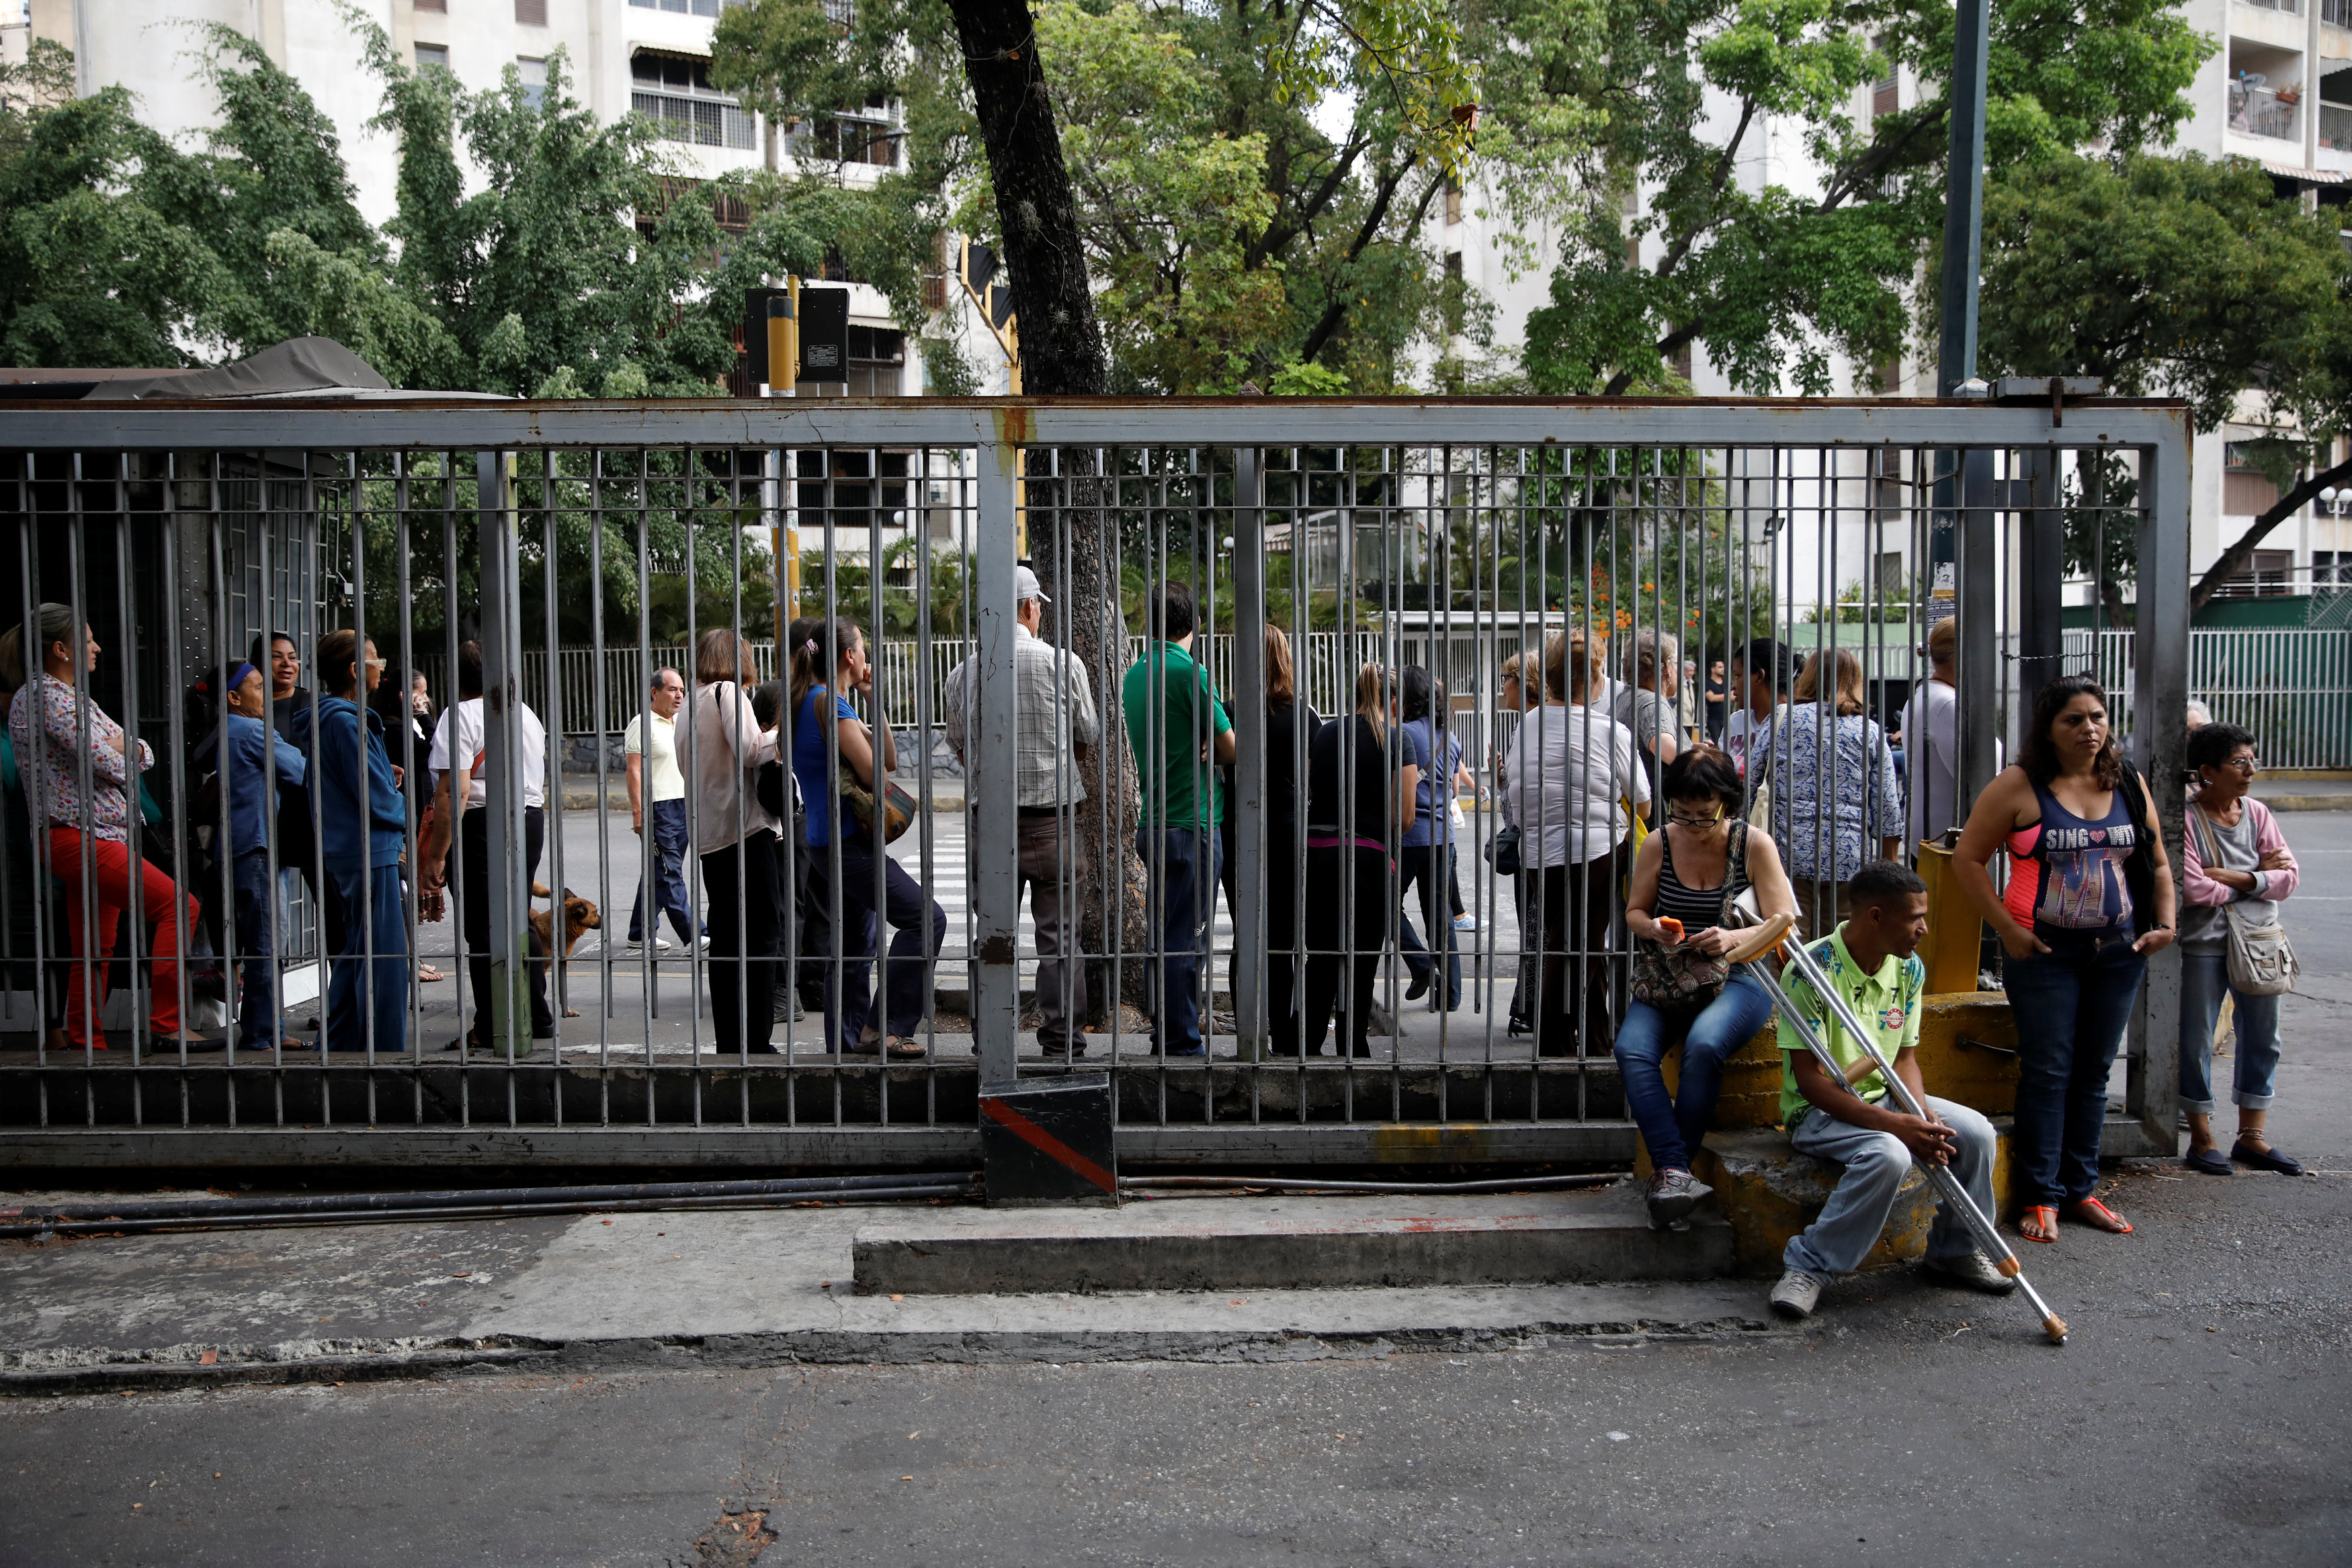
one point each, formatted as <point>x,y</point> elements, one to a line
<point>479,1203</point>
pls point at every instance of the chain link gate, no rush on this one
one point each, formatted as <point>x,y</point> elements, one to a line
<point>570,550</point>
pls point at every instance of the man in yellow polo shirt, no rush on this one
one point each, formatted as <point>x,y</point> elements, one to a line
<point>1870,958</point>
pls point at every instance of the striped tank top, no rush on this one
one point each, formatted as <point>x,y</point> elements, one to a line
<point>2066,872</point>
<point>1700,907</point>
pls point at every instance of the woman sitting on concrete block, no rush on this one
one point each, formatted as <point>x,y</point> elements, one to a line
<point>1681,912</point>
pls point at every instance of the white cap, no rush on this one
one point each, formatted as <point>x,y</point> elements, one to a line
<point>1025,587</point>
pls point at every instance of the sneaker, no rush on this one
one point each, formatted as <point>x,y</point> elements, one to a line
<point>1975,1270</point>
<point>788,1008</point>
<point>701,945</point>
<point>1673,1195</point>
<point>1796,1294</point>
<point>1465,923</point>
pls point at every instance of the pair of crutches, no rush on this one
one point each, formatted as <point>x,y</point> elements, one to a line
<point>1773,935</point>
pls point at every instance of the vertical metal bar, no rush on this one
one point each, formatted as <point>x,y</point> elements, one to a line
<point>2159,736</point>
<point>1979,650</point>
<point>1956,359</point>
<point>507,1030</point>
<point>1249,745</point>
<point>995,883</point>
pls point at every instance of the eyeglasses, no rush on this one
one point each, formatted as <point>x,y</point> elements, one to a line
<point>1707,822</point>
<point>375,663</point>
<point>2244,764</point>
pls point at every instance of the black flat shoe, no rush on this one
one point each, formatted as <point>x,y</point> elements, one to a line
<point>2265,1159</point>
<point>1418,989</point>
<point>2210,1161</point>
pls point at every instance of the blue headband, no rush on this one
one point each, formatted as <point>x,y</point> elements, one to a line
<point>236,680</point>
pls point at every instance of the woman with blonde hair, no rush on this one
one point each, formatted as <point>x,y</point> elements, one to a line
<point>1569,779</point>
<point>1362,782</point>
<point>735,836</point>
<point>1291,724</point>
<point>1835,801</point>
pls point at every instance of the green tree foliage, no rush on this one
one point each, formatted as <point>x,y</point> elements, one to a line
<point>1774,280</point>
<point>1229,238</point>
<point>2167,276</point>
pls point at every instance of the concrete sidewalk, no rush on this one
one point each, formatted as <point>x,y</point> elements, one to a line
<point>731,1287</point>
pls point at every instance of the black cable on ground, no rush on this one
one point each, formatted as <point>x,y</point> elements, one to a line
<point>194,1214</point>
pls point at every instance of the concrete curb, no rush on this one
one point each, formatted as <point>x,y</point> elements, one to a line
<point>2307,802</point>
<point>101,1372</point>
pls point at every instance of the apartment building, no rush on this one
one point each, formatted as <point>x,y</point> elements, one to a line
<point>620,56</point>
<point>2278,90</point>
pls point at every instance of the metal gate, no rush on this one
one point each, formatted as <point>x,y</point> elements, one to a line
<point>1141,773</point>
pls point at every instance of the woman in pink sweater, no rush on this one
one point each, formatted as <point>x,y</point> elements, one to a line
<point>2253,864</point>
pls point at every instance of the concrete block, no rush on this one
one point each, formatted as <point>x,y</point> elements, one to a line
<point>1262,1243</point>
<point>1770,1192</point>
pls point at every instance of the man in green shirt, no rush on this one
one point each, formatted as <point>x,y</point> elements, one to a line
<point>1870,959</point>
<point>1180,733</point>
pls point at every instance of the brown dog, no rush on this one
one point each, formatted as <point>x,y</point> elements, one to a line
<point>579,914</point>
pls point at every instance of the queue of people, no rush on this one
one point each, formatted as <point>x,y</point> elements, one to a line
<point>1624,929</point>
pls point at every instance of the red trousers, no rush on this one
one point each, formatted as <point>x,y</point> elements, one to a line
<point>112,891</point>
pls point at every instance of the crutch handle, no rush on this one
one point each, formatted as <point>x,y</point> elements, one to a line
<point>2009,1267</point>
<point>1761,940</point>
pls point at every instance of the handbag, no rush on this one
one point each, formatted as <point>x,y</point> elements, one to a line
<point>899,807</point>
<point>1503,850</point>
<point>2261,961</point>
<point>1681,981</point>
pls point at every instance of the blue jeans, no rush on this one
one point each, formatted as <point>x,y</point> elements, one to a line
<point>1875,1164</point>
<point>2204,980</point>
<point>374,890</point>
<point>2072,1005</point>
<point>1180,866</point>
<point>253,945</point>
<point>1430,866</point>
<point>1671,1125</point>
<point>849,1005</point>
<point>666,819</point>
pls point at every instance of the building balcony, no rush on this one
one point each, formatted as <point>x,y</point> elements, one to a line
<point>2266,111</point>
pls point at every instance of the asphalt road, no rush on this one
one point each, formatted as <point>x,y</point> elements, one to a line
<point>2203,1411</point>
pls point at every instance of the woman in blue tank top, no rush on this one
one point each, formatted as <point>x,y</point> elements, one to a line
<point>2077,822</point>
<point>828,666</point>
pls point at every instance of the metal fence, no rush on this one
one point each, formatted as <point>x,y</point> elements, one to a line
<point>1235,878</point>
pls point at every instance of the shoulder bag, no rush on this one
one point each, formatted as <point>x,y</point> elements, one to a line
<point>2261,961</point>
<point>1680,980</point>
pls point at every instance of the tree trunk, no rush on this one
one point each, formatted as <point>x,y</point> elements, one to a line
<point>1060,344</point>
<point>2233,559</point>
<point>1062,355</point>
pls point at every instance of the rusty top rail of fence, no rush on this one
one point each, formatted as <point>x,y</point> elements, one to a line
<point>474,425</point>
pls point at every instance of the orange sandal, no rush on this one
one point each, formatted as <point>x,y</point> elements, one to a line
<point>2098,1217</point>
<point>2039,1223</point>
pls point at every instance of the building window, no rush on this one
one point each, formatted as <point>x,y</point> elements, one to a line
<point>534,81</point>
<point>674,91</point>
<point>440,5</point>
<point>2331,570</point>
<point>2272,571</point>
<point>2245,491</point>
<point>839,139</point>
<point>532,12</point>
<point>694,7</point>
<point>432,55</point>
<point>1452,198</point>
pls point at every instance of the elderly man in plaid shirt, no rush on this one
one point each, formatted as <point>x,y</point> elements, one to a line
<point>1056,707</point>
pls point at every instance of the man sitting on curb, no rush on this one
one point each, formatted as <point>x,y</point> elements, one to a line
<point>1869,959</point>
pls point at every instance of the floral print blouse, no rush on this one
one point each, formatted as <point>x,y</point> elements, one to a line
<point>53,778</point>
<point>1829,838</point>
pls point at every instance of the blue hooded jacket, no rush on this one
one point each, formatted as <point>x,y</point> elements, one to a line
<point>335,761</point>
